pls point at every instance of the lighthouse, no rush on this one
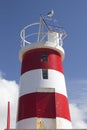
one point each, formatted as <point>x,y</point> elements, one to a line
<point>43,101</point>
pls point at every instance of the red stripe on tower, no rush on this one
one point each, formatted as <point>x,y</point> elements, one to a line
<point>33,60</point>
<point>43,105</point>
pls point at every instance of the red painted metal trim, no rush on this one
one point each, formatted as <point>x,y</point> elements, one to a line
<point>32,60</point>
<point>8,117</point>
<point>43,105</point>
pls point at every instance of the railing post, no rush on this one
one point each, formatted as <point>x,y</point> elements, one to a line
<point>24,37</point>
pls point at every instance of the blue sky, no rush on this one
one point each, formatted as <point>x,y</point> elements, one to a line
<point>72,14</point>
<point>14,15</point>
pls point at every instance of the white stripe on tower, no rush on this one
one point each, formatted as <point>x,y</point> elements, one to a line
<point>43,102</point>
<point>33,80</point>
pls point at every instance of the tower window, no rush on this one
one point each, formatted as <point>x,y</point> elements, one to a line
<point>45,73</point>
<point>44,57</point>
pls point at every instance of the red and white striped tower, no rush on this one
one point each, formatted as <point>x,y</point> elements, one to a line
<point>43,101</point>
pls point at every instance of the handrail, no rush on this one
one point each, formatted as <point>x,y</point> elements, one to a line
<point>23,31</point>
<point>41,34</point>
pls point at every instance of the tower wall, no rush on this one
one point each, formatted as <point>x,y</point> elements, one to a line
<point>43,101</point>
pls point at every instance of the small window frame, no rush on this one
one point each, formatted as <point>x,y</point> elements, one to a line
<point>44,57</point>
<point>45,73</point>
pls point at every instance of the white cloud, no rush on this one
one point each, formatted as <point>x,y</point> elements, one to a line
<point>77,93</point>
<point>8,92</point>
<point>78,117</point>
<point>1,74</point>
